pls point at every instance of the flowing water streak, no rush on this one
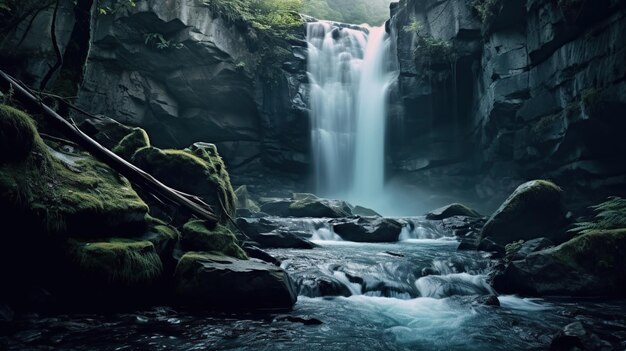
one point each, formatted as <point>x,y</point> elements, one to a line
<point>349,75</point>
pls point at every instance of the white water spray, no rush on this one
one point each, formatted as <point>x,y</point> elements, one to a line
<point>349,75</point>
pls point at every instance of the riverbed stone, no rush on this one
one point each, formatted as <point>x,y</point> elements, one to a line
<point>368,229</point>
<point>592,264</point>
<point>216,282</point>
<point>535,209</point>
<point>455,209</point>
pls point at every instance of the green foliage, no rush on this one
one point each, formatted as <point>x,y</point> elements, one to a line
<point>157,40</point>
<point>111,7</point>
<point>414,26</point>
<point>117,261</point>
<point>512,249</point>
<point>373,12</point>
<point>196,236</point>
<point>486,9</point>
<point>132,142</point>
<point>261,14</point>
<point>610,214</point>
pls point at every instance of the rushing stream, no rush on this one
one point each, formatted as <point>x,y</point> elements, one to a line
<point>382,302</point>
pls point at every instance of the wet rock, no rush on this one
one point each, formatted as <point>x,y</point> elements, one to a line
<point>451,210</point>
<point>490,246</point>
<point>319,208</point>
<point>426,271</point>
<point>461,284</point>
<point>297,319</point>
<point>283,239</point>
<point>206,280</point>
<point>244,201</point>
<point>531,246</point>
<point>365,212</point>
<point>576,336</point>
<point>589,265</point>
<point>318,285</point>
<point>277,207</point>
<point>106,131</point>
<point>370,229</point>
<point>487,300</point>
<point>255,252</point>
<point>535,209</point>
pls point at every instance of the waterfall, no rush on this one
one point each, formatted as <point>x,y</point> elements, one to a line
<point>349,75</point>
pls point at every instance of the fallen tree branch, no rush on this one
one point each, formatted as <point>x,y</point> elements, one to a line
<point>134,174</point>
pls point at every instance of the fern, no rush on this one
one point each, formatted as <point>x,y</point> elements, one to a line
<point>610,214</point>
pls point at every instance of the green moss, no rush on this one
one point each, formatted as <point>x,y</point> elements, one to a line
<point>196,236</point>
<point>597,251</point>
<point>17,134</point>
<point>197,170</point>
<point>530,192</point>
<point>132,142</point>
<point>117,261</point>
<point>486,9</point>
<point>512,249</point>
<point>68,193</point>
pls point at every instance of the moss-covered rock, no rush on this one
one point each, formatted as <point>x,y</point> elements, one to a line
<point>196,236</point>
<point>164,238</point>
<point>198,170</point>
<point>589,265</point>
<point>60,191</point>
<point>205,280</point>
<point>535,209</point>
<point>106,131</point>
<point>116,262</point>
<point>132,142</point>
<point>17,134</point>
<point>452,210</point>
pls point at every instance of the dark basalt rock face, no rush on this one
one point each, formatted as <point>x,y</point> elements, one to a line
<point>533,90</point>
<point>206,85</point>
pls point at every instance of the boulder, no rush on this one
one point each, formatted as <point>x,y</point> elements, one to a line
<point>215,282</point>
<point>534,210</point>
<point>277,207</point>
<point>113,265</point>
<point>531,246</point>
<point>318,285</point>
<point>197,170</point>
<point>592,264</point>
<point>58,190</point>
<point>133,141</point>
<point>198,235</point>
<point>577,336</point>
<point>364,211</point>
<point>282,239</point>
<point>255,252</point>
<point>451,210</point>
<point>367,229</point>
<point>319,208</point>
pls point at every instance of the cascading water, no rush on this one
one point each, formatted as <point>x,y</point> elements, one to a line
<point>349,75</point>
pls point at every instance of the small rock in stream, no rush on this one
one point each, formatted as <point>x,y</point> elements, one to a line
<point>295,319</point>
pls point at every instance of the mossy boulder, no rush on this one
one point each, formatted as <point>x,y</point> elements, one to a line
<point>115,263</point>
<point>216,282</point>
<point>164,238</point>
<point>58,190</point>
<point>452,210</point>
<point>135,140</point>
<point>197,170</point>
<point>592,264</point>
<point>17,135</point>
<point>196,236</point>
<point>534,210</point>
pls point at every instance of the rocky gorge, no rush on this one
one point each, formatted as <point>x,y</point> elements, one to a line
<point>169,200</point>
